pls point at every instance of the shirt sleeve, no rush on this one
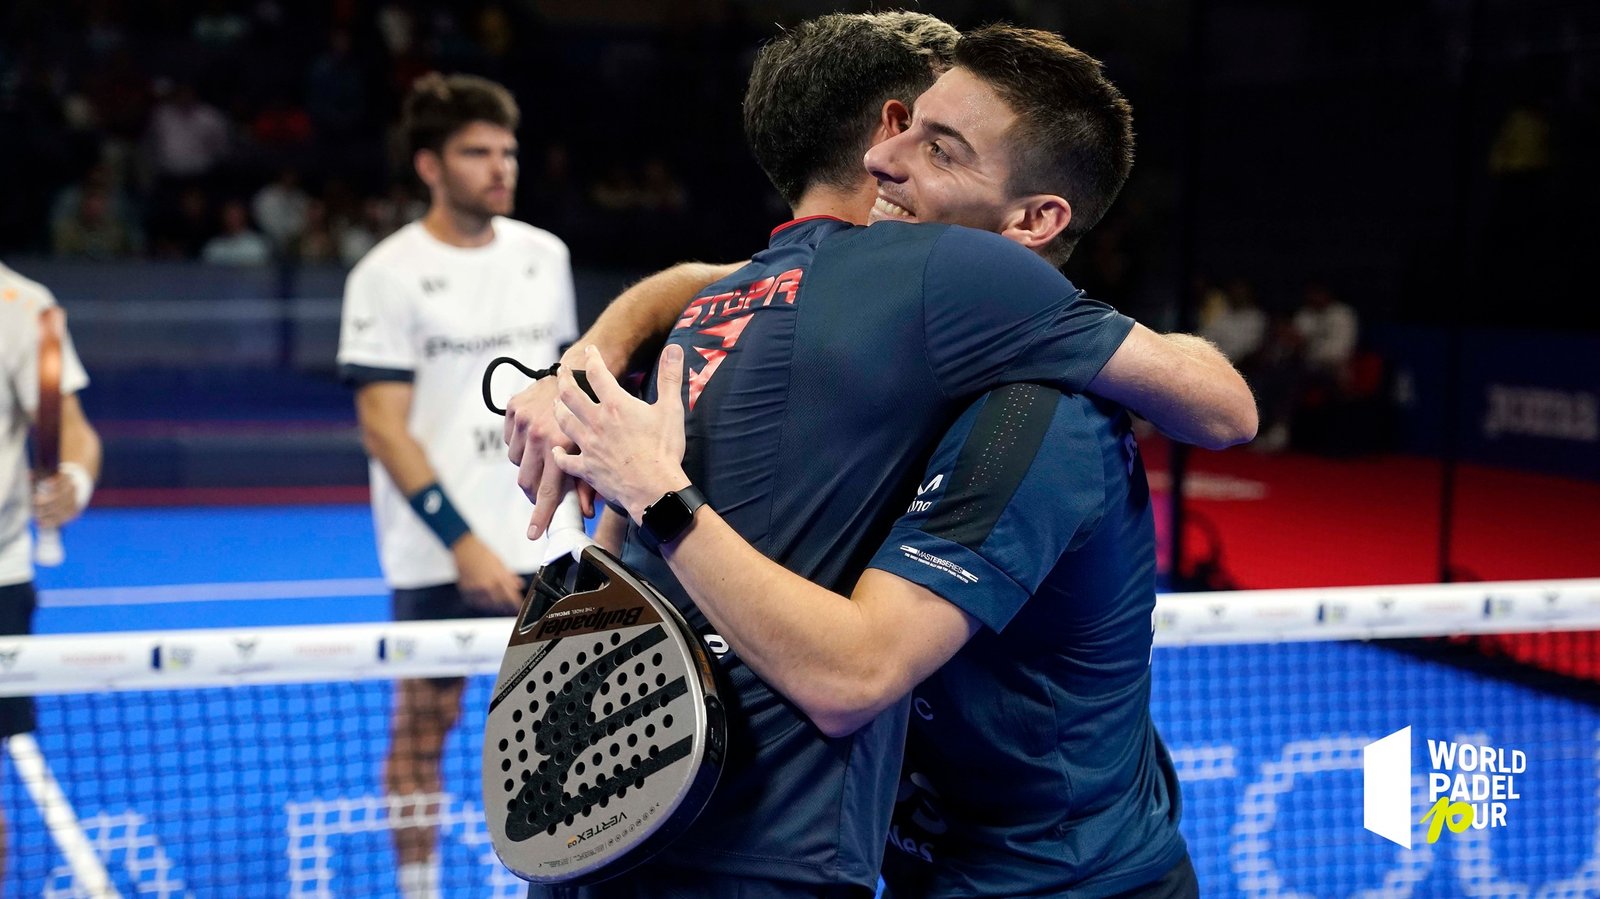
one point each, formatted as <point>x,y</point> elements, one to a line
<point>997,313</point>
<point>24,373</point>
<point>73,376</point>
<point>375,329</point>
<point>1016,482</point>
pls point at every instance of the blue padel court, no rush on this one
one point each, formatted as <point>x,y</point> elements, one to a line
<point>275,790</point>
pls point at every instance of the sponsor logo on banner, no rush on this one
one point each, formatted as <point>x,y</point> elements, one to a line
<point>1499,606</point>
<point>322,650</point>
<point>172,657</point>
<point>396,649</point>
<point>8,657</point>
<point>1542,412</point>
<point>244,650</point>
<point>1546,607</point>
<point>1470,785</point>
<point>1194,619</point>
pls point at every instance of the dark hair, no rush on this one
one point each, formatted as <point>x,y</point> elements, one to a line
<point>440,105</point>
<point>817,89</point>
<point>1074,131</point>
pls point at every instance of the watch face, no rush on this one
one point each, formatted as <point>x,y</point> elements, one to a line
<point>667,517</point>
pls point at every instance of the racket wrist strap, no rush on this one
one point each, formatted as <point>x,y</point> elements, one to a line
<point>434,507</point>
<point>82,483</point>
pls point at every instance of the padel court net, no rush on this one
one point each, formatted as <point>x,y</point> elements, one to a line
<point>244,763</point>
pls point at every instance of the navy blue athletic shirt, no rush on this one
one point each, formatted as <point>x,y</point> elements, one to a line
<point>818,378</point>
<point>1032,767</point>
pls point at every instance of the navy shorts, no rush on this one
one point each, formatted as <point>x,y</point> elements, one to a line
<point>17,602</point>
<point>435,604</point>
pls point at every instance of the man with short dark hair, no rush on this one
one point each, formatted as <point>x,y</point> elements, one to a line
<point>1024,479</point>
<point>817,375</point>
<point>1032,765</point>
<point>424,313</point>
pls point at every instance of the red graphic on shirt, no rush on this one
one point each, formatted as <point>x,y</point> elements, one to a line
<point>724,316</point>
<point>729,331</point>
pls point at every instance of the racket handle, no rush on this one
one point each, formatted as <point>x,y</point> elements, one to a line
<point>566,535</point>
<point>47,549</point>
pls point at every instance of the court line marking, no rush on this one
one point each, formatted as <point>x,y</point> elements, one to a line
<point>237,591</point>
<point>60,819</point>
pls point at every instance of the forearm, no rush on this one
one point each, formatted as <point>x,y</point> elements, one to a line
<point>810,644</point>
<point>1184,385</point>
<point>632,328</point>
<point>611,531</point>
<point>401,456</point>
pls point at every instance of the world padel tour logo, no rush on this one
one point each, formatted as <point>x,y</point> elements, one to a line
<point>1469,785</point>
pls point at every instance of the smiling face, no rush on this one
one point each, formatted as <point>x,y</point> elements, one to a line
<point>476,171</point>
<point>951,165</point>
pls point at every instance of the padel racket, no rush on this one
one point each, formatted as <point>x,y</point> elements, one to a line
<point>47,549</point>
<point>605,733</point>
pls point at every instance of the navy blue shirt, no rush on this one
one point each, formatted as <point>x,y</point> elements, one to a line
<point>1032,766</point>
<point>818,377</point>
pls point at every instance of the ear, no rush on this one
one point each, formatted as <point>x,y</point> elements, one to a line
<point>893,119</point>
<point>1036,220</point>
<point>429,167</point>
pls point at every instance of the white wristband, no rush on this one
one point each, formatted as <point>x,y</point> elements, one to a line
<point>82,483</point>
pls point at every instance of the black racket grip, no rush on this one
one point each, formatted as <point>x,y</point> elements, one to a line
<point>583,381</point>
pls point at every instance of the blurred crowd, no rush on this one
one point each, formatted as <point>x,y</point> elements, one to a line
<point>255,133</point>
<point>1316,384</point>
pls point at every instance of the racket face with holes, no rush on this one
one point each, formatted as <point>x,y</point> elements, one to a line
<point>605,732</point>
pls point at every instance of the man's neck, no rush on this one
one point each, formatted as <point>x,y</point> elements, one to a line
<point>852,205</point>
<point>458,229</point>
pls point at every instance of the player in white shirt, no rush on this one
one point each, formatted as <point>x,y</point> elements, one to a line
<point>50,502</point>
<point>424,313</point>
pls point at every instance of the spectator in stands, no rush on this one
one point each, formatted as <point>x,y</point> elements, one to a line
<point>280,209</point>
<point>1327,329</point>
<point>1236,325</point>
<point>187,138</point>
<point>237,244</point>
<point>91,231</point>
<point>94,219</point>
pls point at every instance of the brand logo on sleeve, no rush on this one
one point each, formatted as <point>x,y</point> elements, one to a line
<point>924,505</point>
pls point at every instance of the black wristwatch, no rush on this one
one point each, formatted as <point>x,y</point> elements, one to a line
<point>667,518</point>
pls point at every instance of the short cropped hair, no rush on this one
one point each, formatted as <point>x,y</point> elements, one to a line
<point>817,89</point>
<point>440,105</point>
<point>1074,131</point>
